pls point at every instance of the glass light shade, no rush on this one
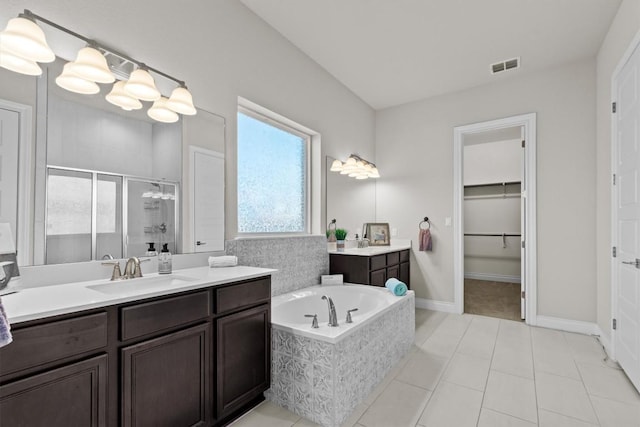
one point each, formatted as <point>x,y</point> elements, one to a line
<point>349,166</point>
<point>17,64</point>
<point>161,113</point>
<point>336,166</point>
<point>362,177</point>
<point>181,101</point>
<point>90,64</point>
<point>142,86</point>
<point>374,173</point>
<point>70,81</point>
<point>25,39</point>
<point>122,99</point>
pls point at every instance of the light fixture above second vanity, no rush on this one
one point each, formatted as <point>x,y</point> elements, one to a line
<point>23,44</point>
<point>355,167</point>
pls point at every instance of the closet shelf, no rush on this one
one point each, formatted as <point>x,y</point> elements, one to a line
<point>493,184</point>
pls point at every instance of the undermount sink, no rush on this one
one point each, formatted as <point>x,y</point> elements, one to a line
<point>142,284</point>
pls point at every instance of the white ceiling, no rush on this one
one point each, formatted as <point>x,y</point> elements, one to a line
<point>390,52</point>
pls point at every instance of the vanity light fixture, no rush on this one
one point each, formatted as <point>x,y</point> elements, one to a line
<point>142,86</point>
<point>70,81</point>
<point>181,101</point>
<point>23,38</point>
<point>122,99</point>
<point>18,64</point>
<point>91,65</point>
<point>355,167</point>
<point>23,44</point>
<point>159,111</point>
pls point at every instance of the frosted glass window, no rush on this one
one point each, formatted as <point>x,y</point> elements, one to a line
<point>69,203</point>
<point>106,213</point>
<point>272,177</point>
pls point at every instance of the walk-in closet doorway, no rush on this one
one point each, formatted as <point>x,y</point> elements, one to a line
<point>494,218</point>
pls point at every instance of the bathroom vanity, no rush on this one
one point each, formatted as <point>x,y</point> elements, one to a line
<point>372,265</point>
<point>197,356</point>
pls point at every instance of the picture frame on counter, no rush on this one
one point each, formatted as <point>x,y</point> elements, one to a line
<point>378,233</point>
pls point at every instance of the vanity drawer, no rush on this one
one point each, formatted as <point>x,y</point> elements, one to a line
<point>378,262</point>
<point>228,298</point>
<point>404,256</point>
<point>393,258</point>
<point>42,344</point>
<point>155,316</point>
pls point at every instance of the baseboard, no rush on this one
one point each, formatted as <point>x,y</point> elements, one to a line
<point>492,277</point>
<point>605,340</point>
<point>578,326</point>
<point>429,304</point>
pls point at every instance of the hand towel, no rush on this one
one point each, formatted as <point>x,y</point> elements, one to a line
<point>425,241</point>
<point>5,328</point>
<point>397,287</point>
<point>223,261</point>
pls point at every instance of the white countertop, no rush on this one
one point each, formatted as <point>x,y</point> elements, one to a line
<point>40,302</point>
<point>374,250</point>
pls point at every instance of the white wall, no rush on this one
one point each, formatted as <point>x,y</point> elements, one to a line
<point>222,50</point>
<point>623,29</point>
<point>414,152</point>
<point>492,162</point>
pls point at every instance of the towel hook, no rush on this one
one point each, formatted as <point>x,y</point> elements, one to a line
<point>426,219</point>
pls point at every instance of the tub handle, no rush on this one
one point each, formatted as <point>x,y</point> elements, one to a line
<point>314,322</point>
<point>349,320</point>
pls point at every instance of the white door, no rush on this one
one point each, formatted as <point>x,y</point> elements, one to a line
<point>627,188</point>
<point>9,143</point>
<point>523,223</point>
<point>207,201</point>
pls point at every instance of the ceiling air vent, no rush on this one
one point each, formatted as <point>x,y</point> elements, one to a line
<point>501,66</point>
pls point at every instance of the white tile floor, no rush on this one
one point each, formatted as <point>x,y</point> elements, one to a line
<point>479,371</point>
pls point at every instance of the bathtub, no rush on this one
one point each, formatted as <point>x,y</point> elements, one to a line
<point>323,374</point>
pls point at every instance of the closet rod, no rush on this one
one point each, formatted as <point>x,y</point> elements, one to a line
<point>494,234</point>
<point>497,184</point>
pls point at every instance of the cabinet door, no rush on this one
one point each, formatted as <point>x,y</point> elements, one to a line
<point>393,271</point>
<point>165,381</point>
<point>404,273</point>
<point>243,358</point>
<point>74,395</point>
<point>378,277</point>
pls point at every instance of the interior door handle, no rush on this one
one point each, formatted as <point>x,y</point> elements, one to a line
<point>200,243</point>
<point>636,262</point>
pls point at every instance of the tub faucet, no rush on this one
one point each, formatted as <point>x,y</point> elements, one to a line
<point>333,318</point>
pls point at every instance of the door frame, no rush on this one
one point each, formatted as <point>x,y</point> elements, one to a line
<point>528,122</point>
<point>25,163</point>
<point>635,43</point>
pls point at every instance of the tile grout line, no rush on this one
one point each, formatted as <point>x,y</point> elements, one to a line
<point>493,352</point>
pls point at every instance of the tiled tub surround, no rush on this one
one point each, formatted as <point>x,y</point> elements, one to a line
<point>324,376</point>
<point>300,260</point>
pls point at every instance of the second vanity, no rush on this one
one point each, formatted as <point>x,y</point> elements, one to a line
<point>193,352</point>
<point>372,265</point>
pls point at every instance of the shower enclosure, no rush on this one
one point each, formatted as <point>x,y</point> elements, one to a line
<point>92,215</point>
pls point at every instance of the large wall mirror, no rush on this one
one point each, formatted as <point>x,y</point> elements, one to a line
<point>108,182</point>
<point>349,201</point>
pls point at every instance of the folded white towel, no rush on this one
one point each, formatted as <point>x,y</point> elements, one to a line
<point>5,328</point>
<point>223,261</point>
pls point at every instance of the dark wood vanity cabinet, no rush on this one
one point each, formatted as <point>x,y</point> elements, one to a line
<point>372,270</point>
<point>243,345</point>
<point>198,358</point>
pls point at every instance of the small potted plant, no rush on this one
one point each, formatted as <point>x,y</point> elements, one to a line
<point>341,234</point>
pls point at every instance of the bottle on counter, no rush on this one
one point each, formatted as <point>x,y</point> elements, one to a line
<point>151,251</point>
<point>164,260</point>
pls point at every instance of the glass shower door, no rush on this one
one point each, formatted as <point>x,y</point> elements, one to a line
<point>151,216</point>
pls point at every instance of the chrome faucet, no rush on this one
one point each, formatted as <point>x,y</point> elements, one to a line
<point>132,269</point>
<point>333,318</point>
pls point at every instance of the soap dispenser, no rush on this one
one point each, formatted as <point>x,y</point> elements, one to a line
<point>151,251</point>
<point>164,260</point>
